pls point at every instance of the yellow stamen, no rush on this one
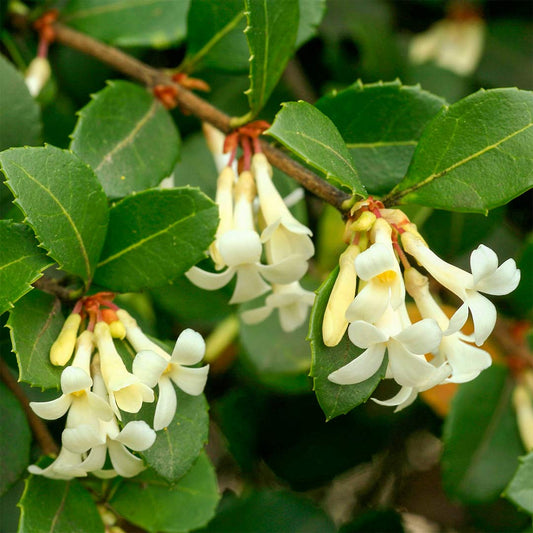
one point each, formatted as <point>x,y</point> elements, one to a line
<point>387,277</point>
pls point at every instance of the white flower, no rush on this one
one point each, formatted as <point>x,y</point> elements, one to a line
<point>379,267</point>
<point>292,302</point>
<point>466,361</point>
<point>66,466</point>
<point>159,368</point>
<point>126,391</point>
<point>285,234</point>
<point>406,347</point>
<point>486,277</point>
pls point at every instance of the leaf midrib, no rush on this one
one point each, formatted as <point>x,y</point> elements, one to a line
<point>99,10</point>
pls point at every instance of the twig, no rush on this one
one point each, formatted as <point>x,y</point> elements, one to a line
<point>51,286</point>
<point>38,427</point>
<point>195,105</point>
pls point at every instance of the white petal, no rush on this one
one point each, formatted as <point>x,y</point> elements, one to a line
<point>209,280</point>
<point>422,337</point>
<point>374,261</point>
<point>137,435</point>
<point>254,316</point>
<point>131,398</point>
<point>166,404</point>
<point>458,320</point>
<point>74,379</point>
<point>101,409</point>
<point>361,368</point>
<point>483,315</point>
<point>249,285</point>
<point>240,247</point>
<point>66,466</point>
<point>408,369</point>
<point>53,409</point>
<point>483,261</point>
<point>290,269</point>
<point>148,367</point>
<point>190,380</point>
<point>291,317</point>
<point>363,334</point>
<point>104,474</point>
<point>81,438</point>
<point>503,281</point>
<point>466,361</point>
<point>402,396</point>
<point>96,458</point>
<point>189,348</point>
<point>370,303</point>
<point>124,462</point>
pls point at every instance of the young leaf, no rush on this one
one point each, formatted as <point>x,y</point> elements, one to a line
<point>154,237</point>
<point>474,155</point>
<point>63,203</point>
<point>178,446</point>
<point>58,506</point>
<point>156,23</point>
<point>147,501</point>
<point>21,262</point>
<point>481,440</point>
<point>520,490</point>
<point>34,325</point>
<point>309,134</point>
<point>127,137</point>
<point>271,34</point>
<point>16,439</point>
<point>381,124</point>
<point>335,399</point>
<point>20,114</point>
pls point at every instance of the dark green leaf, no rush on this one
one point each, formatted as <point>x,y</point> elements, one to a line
<point>21,262</point>
<point>156,23</point>
<point>474,155</point>
<point>271,34</point>
<point>268,512</point>
<point>16,439</point>
<point>481,440</point>
<point>311,13</point>
<point>154,237</point>
<point>309,134</point>
<point>60,506</point>
<point>521,296</point>
<point>147,501</point>
<point>335,399</point>
<point>63,203</point>
<point>34,324</point>
<point>215,36</point>
<point>520,490</point>
<point>381,124</point>
<point>127,137</point>
<point>19,112</point>
<point>178,446</point>
<point>375,522</point>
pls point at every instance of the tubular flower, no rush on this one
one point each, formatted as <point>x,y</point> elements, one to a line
<point>486,277</point>
<point>292,301</point>
<point>63,348</point>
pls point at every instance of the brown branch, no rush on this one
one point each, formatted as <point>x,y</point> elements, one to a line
<point>38,427</point>
<point>198,107</point>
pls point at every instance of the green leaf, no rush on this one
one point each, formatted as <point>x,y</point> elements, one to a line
<point>311,13</point>
<point>309,134</point>
<point>270,511</point>
<point>335,399</point>
<point>35,323</point>
<point>21,262</point>
<point>16,439</point>
<point>19,112</point>
<point>521,296</point>
<point>215,36</point>
<point>154,237</point>
<point>481,440</point>
<point>60,506</point>
<point>474,155</point>
<point>381,124</point>
<point>127,137</point>
<point>178,446</point>
<point>63,203</point>
<point>279,359</point>
<point>520,490</point>
<point>375,522</point>
<point>156,23</point>
<point>271,34</point>
<point>147,501</point>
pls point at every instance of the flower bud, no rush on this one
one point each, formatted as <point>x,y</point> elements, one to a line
<point>334,324</point>
<point>364,222</point>
<point>63,347</point>
<point>523,404</point>
<point>116,327</point>
<point>37,75</point>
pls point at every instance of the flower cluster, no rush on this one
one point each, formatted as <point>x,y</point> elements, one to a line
<point>368,299</point>
<point>245,237</point>
<point>97,388</point>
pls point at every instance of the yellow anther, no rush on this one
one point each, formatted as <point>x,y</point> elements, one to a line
<point>387,277</point>
<point>63,347</point>
<point>117,329</point>
<point>364,222</point>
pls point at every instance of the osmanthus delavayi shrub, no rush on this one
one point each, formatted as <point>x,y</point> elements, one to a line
<point>110,246</point>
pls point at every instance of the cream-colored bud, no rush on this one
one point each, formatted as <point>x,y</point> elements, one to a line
<point>334,323</point>
<point>523,404</point>
<point>527,376</point>
<point>415,283</point>
<point>63,347</point>
<point>117,329</point>
<point>37,75</point>
<point>245,186</point>
<point>364,222</point>
<point>215,142</point>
